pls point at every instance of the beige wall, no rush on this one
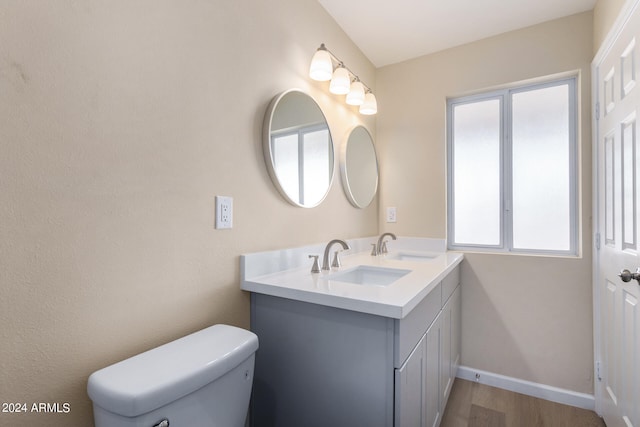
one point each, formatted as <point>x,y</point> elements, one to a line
<point>524,317</point>
<point>605,13</point>
<point>119,123</point>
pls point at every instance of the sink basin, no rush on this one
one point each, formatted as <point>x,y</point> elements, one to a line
<point>369,275</point>
<point>412,256</point>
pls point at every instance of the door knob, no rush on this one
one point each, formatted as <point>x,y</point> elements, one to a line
<point>627,276</point>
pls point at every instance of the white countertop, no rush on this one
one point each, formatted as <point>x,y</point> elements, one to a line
<point>395,300</point>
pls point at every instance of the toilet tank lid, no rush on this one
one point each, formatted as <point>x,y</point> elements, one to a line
<point>159,376</point>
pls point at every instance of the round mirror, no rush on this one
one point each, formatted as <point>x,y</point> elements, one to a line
<point>298,149</point>
<point>359,167</point>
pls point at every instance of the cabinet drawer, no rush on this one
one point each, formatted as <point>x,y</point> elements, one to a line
<point>449,284</point>
<point>409,330</point>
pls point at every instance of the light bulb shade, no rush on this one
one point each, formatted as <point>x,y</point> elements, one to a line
<point>356,93</point>
<point>340,82</point>
<point>321,68</point>
<point>370,105</point>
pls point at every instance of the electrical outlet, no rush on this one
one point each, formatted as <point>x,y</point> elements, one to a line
<point>224,212</point>
<point>391,215</point>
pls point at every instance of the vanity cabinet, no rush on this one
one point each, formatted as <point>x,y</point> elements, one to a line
<point>424,381</point>
<point>323,366</point>
<point>417,382</point>
<point>451,334</point>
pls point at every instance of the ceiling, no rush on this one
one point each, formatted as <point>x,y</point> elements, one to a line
<point>394,31</point>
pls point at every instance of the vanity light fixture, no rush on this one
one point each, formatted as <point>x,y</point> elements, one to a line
<point>340,81</point>
<point>356,93</point>
<point>343,80</point>
<point>370,105</point>
<point>321,66</point>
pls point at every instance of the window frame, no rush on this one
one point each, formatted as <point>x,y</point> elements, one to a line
<point>505,95</point>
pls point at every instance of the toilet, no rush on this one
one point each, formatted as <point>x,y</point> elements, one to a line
<point>202,379</point>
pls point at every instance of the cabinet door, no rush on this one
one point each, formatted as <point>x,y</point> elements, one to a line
<point>445,352</point>
<point>456,331</point>
<point>410,389</point>
<point>432,400</point>
<point>450,345</point>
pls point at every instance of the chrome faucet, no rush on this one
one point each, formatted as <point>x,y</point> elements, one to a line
<point>382,245</point>
<point>336,260</point>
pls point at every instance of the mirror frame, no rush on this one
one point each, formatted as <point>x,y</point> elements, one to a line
<point>268,154</point>
<point>344,172</point>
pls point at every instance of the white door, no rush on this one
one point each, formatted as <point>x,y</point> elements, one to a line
<point>617,309</point>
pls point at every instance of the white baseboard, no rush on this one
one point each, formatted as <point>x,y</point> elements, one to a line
<point>542,391</point>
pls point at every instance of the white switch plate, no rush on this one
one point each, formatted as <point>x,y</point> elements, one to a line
<point>224,212</point>
<point>391,214</point>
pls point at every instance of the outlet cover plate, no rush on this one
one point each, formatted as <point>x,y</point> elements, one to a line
<point>391,214</point>
<point>224,212</point>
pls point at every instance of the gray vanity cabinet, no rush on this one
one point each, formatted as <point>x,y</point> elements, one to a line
<point>325,366</point>
<point>410,393</point>
<point>424,380</point>
<point>417,383</point>
<point>450,332</point>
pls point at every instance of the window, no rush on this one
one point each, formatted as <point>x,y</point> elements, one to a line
<point>512,170</point>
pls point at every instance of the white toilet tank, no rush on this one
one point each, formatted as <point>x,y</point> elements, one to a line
<point>203,379</point>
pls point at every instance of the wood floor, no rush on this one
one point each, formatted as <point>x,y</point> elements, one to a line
<point>476,405</point>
